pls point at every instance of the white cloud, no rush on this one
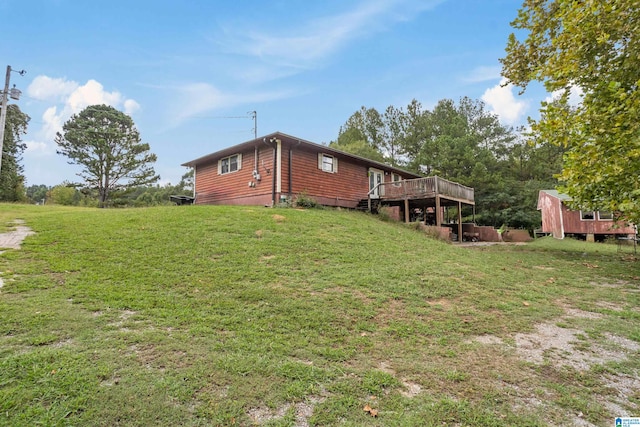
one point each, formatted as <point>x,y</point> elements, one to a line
<point>503,103</point>
<point>52,123</point>
<point>38,148</point>
<point>45,88</point>
<point>198,98</point>
<point>72,98</point>
<point>131,106</point>
<point>482,74</point>
<point>92,93</point>
<point>68,97</point>
<point>575,95</point>
<point>303,46</point>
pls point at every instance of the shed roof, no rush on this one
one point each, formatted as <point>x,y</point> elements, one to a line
<point>557,195</point>
<point>263,139</point>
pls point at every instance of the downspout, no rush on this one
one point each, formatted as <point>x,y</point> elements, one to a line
<point>290,169</point>
<point>255,160</point>
<point>273,187</point>
<point>195,195</point>
<point>274,141</point>
<point>279,168</point>
<point>290,161</point>
<point>194,181</point>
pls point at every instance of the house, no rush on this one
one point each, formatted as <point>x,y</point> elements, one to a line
<point>279,167</point>
<point>560,221</point>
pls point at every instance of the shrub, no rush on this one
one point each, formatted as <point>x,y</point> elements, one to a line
<point>385,213</point>
<point>305,201</point>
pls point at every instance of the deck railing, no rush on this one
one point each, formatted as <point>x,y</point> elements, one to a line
<point>422,188</point>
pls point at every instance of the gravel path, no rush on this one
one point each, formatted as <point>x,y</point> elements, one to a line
<point>13,239</point>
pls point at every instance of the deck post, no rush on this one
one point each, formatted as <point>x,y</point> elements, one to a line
<point>438,212</point>
<point>369,204</point>
<point>406,210</point>
<point>459,221</point>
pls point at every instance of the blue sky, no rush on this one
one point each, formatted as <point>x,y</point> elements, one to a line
<point>189,72</point>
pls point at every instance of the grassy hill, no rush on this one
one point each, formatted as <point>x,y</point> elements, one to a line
<point>206,315</point>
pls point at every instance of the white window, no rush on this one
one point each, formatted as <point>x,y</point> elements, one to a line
<point>230,164</point>
<point>327,163</point>
<point>395,178</point>
<point>587,215</point>
<point>604,215</point>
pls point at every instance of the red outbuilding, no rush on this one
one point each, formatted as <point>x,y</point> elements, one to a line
<point>559,220</point>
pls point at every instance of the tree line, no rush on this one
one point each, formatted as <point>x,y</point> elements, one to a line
<point>463,142</point>
<point>69,194</point>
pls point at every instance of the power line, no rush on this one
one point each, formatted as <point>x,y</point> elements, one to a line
<point>250,115</point>
<point>221,117</point>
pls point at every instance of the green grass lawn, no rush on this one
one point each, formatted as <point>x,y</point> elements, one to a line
<point>201,315</point>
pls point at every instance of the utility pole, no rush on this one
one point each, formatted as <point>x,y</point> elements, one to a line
<point>254,116</point>
<point>15,94</point>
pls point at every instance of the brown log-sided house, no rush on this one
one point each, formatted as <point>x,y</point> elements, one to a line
<point>278,167</point>
<point>560,221</point>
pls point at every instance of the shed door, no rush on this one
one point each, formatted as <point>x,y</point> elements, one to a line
<point>375,177</point>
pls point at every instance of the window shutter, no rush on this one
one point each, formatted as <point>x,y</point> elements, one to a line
<point>220,167</point>
<point>335,165</point>
<point>320,161</point>
<point>239,161</point>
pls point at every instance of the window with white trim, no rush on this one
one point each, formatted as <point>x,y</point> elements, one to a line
<point>230,164</point>
<point>327,163</point>
<point>395,178</point>
<point>587,215</point>
<point>605,216</point>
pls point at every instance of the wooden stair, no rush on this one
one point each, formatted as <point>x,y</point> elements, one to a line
<point>363,205</point>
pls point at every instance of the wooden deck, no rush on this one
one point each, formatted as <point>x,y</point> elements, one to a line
<point>433,191</point>
<point>422,189</point>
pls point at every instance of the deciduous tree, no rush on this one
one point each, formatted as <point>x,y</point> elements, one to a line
<point>107,145</point>
<point>37,193</point>
<point>592,45</point>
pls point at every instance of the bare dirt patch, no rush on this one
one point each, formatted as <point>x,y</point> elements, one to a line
<point>553,342</point>
<point>392,310</point>
<point>615,285</point>
<point>609,306</point>
<point>13,239</point>
<point>577,313</point>
<point>278,218</point>
<point>411,389</point>
<point>554,347</point>
<point>627,389</point>
<point>302,412</point>
<point>442,303</point>
<point>64,343</point>
<point>488,339</point>
<point>562,346</point>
